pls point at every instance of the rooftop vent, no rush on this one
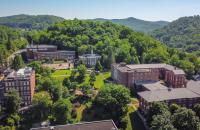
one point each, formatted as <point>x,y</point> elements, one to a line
<point>122,64</point>
<point>52,128</point>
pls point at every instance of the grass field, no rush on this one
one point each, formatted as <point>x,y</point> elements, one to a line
<point>61,74</point>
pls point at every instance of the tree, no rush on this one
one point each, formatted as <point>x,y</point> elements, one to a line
<point>86,88</point>
<point>92,78</point>
<point>61,111</point>
<point>81,69</point>
<point>185,119</point>
<point>197,109</point>
<point>162,122</point>
<point>98,66</point>
<point>66,82</point>
<point>112,97</point>
<point>17,62</point>
<point>173,108</point>
<point>42,103</point>
<point>37,65</point>
<point>13,101</point>
<point>54,87</point>
<point>157,108</point>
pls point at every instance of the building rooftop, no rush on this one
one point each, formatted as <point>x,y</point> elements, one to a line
<point>144,67</point>
<point>27,71</point>
<point>40,46</point>
<point>169,94</point>
<point>95,125</point>
<point>91,55</point>
<point>154,86</point>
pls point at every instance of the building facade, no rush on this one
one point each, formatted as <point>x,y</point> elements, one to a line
<point>41,52</point>
<point>130,75</point>
<point>89,59</point>
<point>23,81</point>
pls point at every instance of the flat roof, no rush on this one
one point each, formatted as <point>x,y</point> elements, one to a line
<point>169,94</point>
<point>154,86</point>
<point>41,46</point>
<point>95,125</point>
<point>141,67</point>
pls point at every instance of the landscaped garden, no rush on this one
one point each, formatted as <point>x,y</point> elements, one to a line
<point>61,74</point>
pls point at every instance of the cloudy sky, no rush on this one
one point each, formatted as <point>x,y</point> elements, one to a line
<point>151,10</point>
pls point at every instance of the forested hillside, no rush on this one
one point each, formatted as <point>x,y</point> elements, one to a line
<point>137,24</point>
<point>30,21</point>
<point>114,43</point>
<point>10,41</point>
<point>182,33</point>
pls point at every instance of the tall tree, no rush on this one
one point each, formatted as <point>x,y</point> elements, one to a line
<point>157,108</point>
<point>13,101</point>
<point>61,111</point>
<point>185,119</point>
<point>42,103</point>
<point>17,62</point>
<point>98,66</point>
<point>112,97</point>
<point>162,122</point>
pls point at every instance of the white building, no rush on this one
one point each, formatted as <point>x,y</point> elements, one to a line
<point>90,59</point>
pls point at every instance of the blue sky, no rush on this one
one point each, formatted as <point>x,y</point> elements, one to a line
<point>152,10</point>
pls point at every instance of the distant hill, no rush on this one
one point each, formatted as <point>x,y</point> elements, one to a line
<point>181,33</point>
<point>30,21</point>
<point>137,24</point>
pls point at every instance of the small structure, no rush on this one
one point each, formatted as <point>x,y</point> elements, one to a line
<point>90,59</point>
<point>95,125</point>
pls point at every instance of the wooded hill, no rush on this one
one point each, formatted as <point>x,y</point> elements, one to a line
<point>182,33</point>
<point>30,21</point>
<point>137,24</point>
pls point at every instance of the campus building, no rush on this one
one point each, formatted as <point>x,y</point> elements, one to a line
<point>157,82</point>
<point>134,75</point>
<point>89,59</point>
<point>41,52</point>
<point>95,125</point>
<point>22,80</point>
<point>182,96</point>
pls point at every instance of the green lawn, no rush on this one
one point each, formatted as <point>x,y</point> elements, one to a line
<point>100,79</point>
<point>61,74</point>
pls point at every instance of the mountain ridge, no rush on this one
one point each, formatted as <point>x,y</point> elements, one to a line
<point>137,24</point>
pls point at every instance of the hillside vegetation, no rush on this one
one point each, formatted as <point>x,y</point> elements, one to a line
<point>30,21</point>
<point>183,33</point>
<point>10,41</point>
<point>137,24</point>
<point>115,43</point>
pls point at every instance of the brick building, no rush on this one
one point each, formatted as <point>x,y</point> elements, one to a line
<point>183,96</point>
<point>22,80</point>
<point>41,52</point>
<point>130,75</point>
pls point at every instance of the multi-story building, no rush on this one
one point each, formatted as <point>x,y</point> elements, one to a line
<point>90,59</point>
<point>131,75</point>
<point>157,82</point>
<point>41,52</point>
<point>22,80</point>
<point>183,96</point>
